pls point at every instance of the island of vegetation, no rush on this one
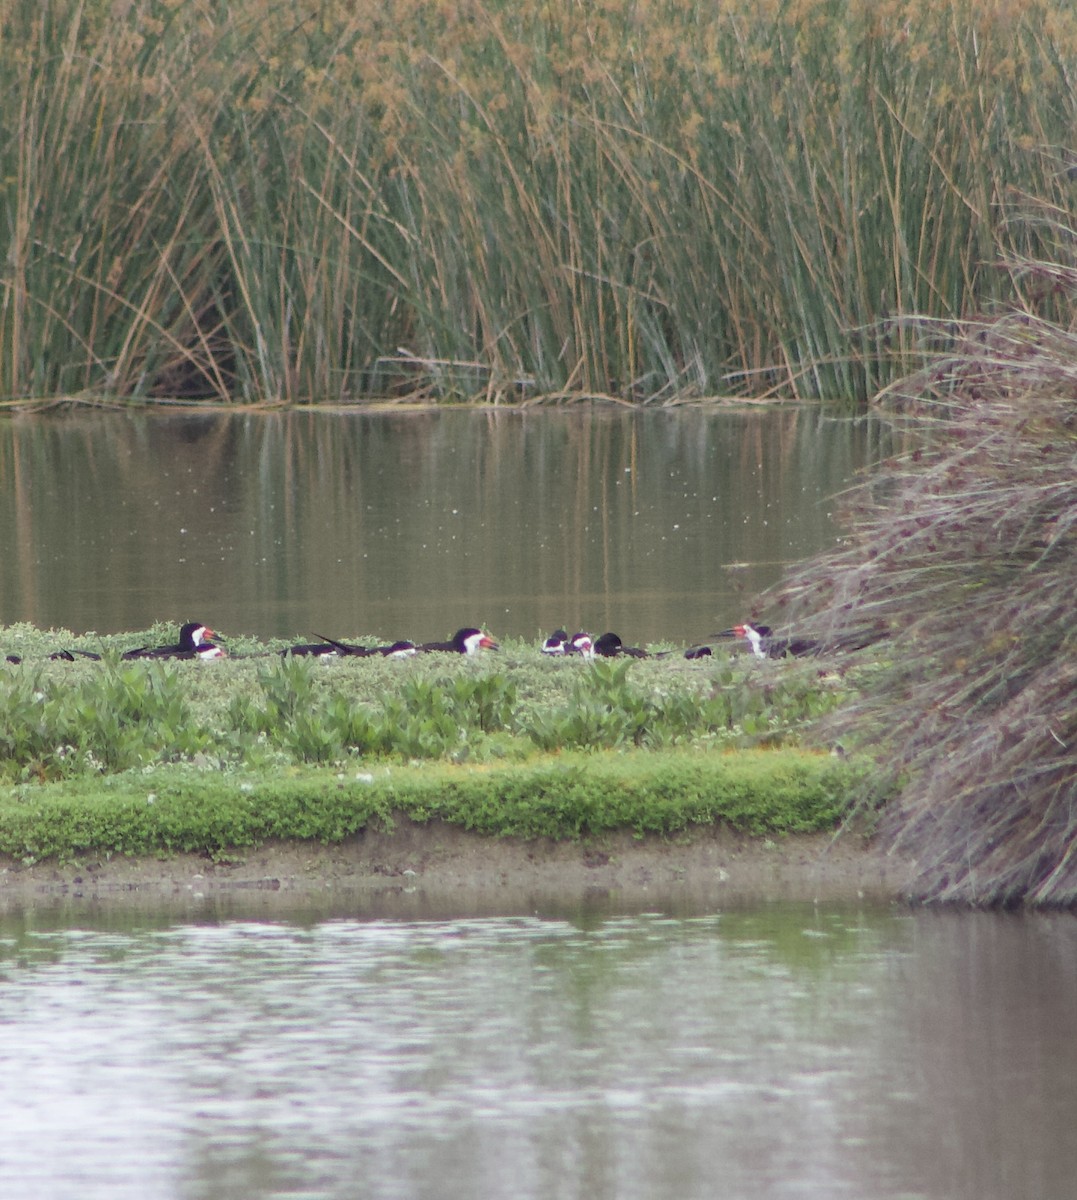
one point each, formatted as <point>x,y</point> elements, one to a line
<point>110,757</point>
<point>865,202</point>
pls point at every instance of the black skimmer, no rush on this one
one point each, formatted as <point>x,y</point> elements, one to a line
<point>765,645</point>
<point>556,643</point>
<point>581,643</point>
<point>347,649</point>
<point>609,645</point>
<point>702,651</point>
<point>69,655</point>
<point>463,641</point>
<point>397,650</point>
<point>328,647</point>
<point>192,644</point>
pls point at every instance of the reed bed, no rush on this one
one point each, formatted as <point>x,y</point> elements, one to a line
<point>966,550</point>
<point>325,201</point>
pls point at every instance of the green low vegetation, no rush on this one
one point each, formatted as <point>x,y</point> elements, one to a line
<point>318,201</point>
<point>140,757</point>
<point>86,718</point>
<point>175,809</point>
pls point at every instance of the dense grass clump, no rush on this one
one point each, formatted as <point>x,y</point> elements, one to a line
<point>273,201</point>
<point>967,549</point>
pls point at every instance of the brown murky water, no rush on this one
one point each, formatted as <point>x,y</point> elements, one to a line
<point>781,1051</point>
<point>660,525</point>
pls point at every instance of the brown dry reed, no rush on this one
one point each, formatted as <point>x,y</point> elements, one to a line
<point>325,200</point>
<point>965,548</point>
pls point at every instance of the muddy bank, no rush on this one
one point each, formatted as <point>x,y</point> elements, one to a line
<point>420,869</point>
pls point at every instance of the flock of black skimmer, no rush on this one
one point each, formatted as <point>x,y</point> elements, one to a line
<point>757,638</point>
<point>196,641</point>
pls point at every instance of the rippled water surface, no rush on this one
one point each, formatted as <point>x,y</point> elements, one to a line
<point>786,1051</point>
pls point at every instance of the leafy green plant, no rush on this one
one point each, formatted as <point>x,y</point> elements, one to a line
<point>119,716</point>
<point>607,710</point>
<point>435,718</point>
<point>28,740</point>
<point>311,721</point>
<point>292,715</point>
<point>603,711</point>
<point>100,717</point>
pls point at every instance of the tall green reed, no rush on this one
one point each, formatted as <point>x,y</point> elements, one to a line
<point>269,201</point>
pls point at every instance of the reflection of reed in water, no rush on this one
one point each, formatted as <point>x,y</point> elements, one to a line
<point>412,524</point>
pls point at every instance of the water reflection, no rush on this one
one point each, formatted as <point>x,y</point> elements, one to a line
<point>657,524</point>
<point>772,1052</point>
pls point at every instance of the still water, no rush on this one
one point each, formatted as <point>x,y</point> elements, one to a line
<point>661,525</point>
<point>783,1051</point>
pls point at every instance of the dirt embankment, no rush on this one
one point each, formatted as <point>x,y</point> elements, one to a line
<point>438,867</point>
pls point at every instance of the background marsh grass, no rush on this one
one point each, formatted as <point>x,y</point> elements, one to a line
<point>320,201</point>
